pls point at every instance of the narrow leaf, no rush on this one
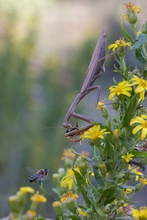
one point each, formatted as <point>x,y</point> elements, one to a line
<point>139,56</point>
<point>109,194</point>
<point>98,177</point>
<point>127,35</point>
<point>76,153</point>
<point>81,181</point>
<point>130,111</point>
<point>139,154</point>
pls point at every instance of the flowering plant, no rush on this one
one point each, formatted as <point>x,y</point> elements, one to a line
<point>100,187</point>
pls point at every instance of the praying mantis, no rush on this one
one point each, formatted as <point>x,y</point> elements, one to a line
<point>95,70</point>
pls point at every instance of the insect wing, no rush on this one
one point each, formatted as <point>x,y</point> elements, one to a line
<point>31,170</point>
<point>43,178</point>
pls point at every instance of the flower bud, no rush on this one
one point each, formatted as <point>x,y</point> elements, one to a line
<point>17,203</point>
<point>82,164</point>
<point>61,172</point>
<point>120,178</point>
<point>132,17</point>
<point>115,103</point>
<point>58,208</point>
<point>116,134</point>
<point>14,205</point>
<point>102,168</point>
<point>104,112</point>
<point>55,179</point>
<point>68,162</point>
<point>30,215</point>
<point>107,209</point>
<point>71,205</point>
<point>121,52</point>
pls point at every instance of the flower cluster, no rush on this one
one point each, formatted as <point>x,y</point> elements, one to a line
<point>119,44</point>
<point>114,142</point>
<point>17,204</point>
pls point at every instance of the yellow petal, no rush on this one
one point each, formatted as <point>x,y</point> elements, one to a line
<point>136,129</point>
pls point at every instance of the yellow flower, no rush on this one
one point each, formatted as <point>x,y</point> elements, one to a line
<point>128,157</point>
<point>141,86</point>
<point>123,88</point>
<point>56,204</point>
<point>68,179</point>
<point>116,132</point>
<point>140,214</point>
<point>100,105</point>
<point>128,190</point>
<point>68,154</point>
<point>31,214</point>
<point>135,171</point>
<point>58,208</point>
<point>81,212</point>
<point>94,133</point>
<point>38,198</point>
<point>130,6</point>
<point>121,44</point>
<point>139,32</point>
<point>143,181</point>
<point>142,125</point>
<point>69,196</point>
<point>26,189</point>
<point>130,12</point>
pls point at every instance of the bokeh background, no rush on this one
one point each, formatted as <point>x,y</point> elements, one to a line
<point>45,49</point>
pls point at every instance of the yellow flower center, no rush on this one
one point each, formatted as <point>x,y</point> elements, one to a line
<point>143,83</point>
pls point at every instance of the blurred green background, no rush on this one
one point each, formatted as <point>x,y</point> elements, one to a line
<point>45,49</point>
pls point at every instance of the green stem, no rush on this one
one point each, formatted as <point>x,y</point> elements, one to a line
<point>123,65</point>
<point>45,192</point>
<point>134,29</point>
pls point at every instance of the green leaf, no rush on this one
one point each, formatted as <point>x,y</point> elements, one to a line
<point>130,111</point>
<point>76,153</point>
<point>99,179</point>
<point>139,154</point>
<point>90,161</point>
<point>73,217</point>
<point>125,186</point>
<point>99,211</point>
<point>141,39</point>
<point>56,191</point>
<point>127,35</point>
<point>139,56</point>
<point>109,194</point>
<point>81,182</point>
